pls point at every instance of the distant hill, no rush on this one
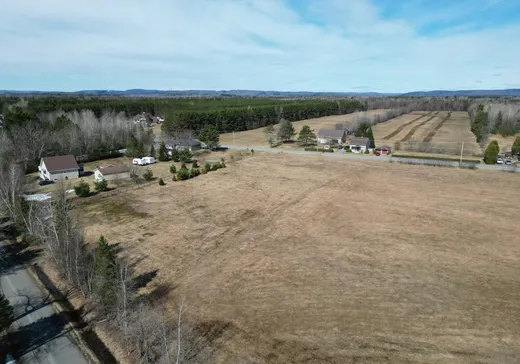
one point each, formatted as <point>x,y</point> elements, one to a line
<point>201,93</point>
<point>257,93</point>
<point>506,92</point>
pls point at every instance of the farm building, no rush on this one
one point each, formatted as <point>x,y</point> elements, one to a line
<point>58,168</point>
<point>383,150</point>
<point>331,136</point>
<point>191,144</point>
<point>111,172</point>
<point>359,145</point>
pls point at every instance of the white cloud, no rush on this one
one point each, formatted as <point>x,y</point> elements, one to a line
<point>248,44</point>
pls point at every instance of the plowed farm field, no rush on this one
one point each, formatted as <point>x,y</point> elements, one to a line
<point>439,132</point>
<point>310,259</point>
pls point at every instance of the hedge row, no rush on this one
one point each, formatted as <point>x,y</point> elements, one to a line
<point>319,150</point>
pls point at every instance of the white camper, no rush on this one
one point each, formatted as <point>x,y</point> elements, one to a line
<point>148,160</point>
<point>139,161</point>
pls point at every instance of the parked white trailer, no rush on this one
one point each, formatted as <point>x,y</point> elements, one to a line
<point>148,160</point>
<point>139,161</point>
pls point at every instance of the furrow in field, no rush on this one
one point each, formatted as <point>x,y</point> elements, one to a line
<point>431,134</point>
<point>399,129</point>
<point>415,128</point>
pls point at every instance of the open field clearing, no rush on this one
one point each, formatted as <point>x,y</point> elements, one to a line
<point>505,143</point>
<point>435,133</point>
<point>257,138</point>
<point>307,259</point>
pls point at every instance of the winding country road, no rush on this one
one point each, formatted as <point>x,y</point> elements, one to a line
<point>40,332</point>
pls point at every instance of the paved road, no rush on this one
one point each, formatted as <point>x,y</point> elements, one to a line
<point>342,154</point>
<point>39,329</point>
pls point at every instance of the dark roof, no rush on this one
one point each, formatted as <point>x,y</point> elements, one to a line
<point>331,133</point>
<point>359,141</point>
<point>111,169</point>
<point>60,163</point>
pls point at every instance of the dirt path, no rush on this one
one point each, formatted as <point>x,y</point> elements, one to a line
<point>415,128</point>
<point>399,129</point>
<point>432,133</point>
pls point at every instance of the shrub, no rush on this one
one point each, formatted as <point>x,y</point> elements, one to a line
<point>348,150</point>
<point>183,174</point>
<point>183,166</point>
<point>194,165</point>
<point>215,166</point>
<point>173,169</point>
<point>82,189</point>
<point>175,155</point>
<point>203,171</point>
<point>101,185</point>
<point>185,155</point>
<point>161,182</point>
<point>252,151</point>
<point>148,174</point>
<point>222,165</point>
<point>367,151</point>
<point>491,153</point>
<point>194,172</point>
<point>207,167</point>
<point>174,177</point>
<point>515,149</point>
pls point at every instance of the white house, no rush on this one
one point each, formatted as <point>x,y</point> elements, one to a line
<point>61,167</point>
<point>359,145</point>
<point>111,172</point>
<point>331,136</point>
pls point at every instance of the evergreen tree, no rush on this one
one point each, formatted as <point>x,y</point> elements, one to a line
<point>105,283</point>
<point>6,313</point>
<point>100,185</point>
<point>286,130</point>
<point>209,135</point>
<point>185,155</point>
<point>370,136</point>
<point>152,151</point>
<point>491,153</point>
<point>306,136</point>
<point>271,136</point>
<point>175,155</point>
<point>163,152</point>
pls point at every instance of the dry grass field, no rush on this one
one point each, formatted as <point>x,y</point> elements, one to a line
<point>309,259</point>
<point>256,137</point>
<point>505,143</point>
<point>433,132</point>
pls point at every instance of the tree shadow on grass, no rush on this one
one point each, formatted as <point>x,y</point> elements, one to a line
<point>142,280</point>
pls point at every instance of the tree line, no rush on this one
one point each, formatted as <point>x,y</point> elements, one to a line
<point>242,118</point>
<point>494,117</point>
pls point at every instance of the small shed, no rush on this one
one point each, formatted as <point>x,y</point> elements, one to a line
<point>111,172</point>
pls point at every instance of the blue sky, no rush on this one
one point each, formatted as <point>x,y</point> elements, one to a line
<point>289,45</point>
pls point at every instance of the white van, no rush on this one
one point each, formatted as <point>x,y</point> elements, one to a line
<point>139,162</point>
<point>148,160</point>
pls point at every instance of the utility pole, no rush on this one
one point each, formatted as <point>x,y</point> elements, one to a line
<point>461,150</point>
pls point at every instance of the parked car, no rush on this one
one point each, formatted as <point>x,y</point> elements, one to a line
<point>326,147</point>
<point>508,162</point>
<point>45,182</point>
<point>340,146</point>
<point>500,160</point>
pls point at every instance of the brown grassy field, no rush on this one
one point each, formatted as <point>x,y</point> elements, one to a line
<point>505,143</point>
<point>309,259</point>
<point>256,137</point>
<point>442,134</point>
